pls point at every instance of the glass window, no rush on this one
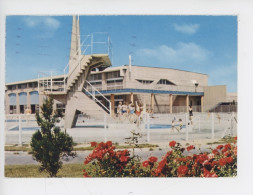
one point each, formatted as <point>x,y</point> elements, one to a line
<point>145,82</point>
<point>111,75</point>
<point>165,82</point>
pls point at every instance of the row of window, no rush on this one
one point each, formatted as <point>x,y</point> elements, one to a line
<point>109,75</point>
<point>161,82</point>
<point>23,86</point>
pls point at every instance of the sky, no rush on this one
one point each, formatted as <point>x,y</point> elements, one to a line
<point>203,44</point>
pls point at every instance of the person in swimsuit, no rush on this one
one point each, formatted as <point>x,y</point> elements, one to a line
<point>119,109</point>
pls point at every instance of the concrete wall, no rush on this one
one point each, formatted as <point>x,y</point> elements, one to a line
<point>178,77</point>
<point>214,95</point>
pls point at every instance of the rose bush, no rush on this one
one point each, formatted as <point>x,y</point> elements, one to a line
<point>105,161</point>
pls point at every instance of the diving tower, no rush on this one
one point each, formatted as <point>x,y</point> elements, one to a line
<point>75,93</point>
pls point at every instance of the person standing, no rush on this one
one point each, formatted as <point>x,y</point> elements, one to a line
<point>190,113</point>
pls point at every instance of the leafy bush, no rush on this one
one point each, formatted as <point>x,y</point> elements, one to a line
<point>49,145</point>
<point>106,162</point>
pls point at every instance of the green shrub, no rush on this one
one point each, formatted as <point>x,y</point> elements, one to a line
<point>49,145</point>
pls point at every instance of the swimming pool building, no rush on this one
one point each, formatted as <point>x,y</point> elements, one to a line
<point>92,86</point>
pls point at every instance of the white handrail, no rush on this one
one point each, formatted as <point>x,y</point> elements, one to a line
<point>98,91</point>
<point>110,105</point>
<point>109,110</point>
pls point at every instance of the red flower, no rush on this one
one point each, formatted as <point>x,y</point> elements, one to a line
<point>85,174</point>
<point>145,163</point>
<point>152,159</point>
<point>229,159</point>
<point>219,147</point>
<point>93,144</point>
<point>224,150</point>
<point>209,174</point>
<point>189,148</point>
<point>227,146</point>
<point>109,144</point>
<point>182,170</point>
<point>235,151</point>
<point>172,143</point>
<point>222,162</point>
<point>215,152</point>
<point>124,158</point>
<point>215,163</point>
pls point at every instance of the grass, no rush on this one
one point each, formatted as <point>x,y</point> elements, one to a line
<point>26,148</point>
<point>224,140</point>
<point>119,147</point>
<point>68,170</point>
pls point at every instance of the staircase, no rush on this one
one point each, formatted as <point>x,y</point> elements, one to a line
<point>74,95</point>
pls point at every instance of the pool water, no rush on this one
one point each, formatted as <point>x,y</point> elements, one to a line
<point>161,126</point>
<point>25,128</point>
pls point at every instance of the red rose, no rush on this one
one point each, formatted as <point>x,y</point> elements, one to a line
<point>215,163</point>
<point>152,159</point>
<point>182,170</point>
<point>215,152</point>
<point>229,159</point>
<point>93,144</point>
<point>227,146</point>
<point>145,164</point>
<point>124,158</point>
<point>209,174</point>
<point>219,147</point>
<point>222,162</point>
<point>189,148</point>
<point>172,143</point>
<point>109,144</point>
<point>235,151</point>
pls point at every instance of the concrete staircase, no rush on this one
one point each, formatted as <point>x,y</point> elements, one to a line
<point>76,100</point>
<point>79,67</point>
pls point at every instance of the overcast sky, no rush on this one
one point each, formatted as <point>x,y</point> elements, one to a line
<point>204,44</point>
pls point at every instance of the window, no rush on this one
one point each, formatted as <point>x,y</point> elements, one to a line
<point>95,77</point>
<point>60,107</point>
<point>111,75</point>
<point>33,85</point>
<point>11,87</point>
<point>145,82</point>
<point>22,86</point>
<point>13,109</point>
<point>165,82</point>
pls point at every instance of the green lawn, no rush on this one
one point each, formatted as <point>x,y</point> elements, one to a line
<point>68,170</point>
<point>27,148</point>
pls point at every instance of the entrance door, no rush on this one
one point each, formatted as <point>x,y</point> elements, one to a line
<point>33,108</point>
<point>22,109</point>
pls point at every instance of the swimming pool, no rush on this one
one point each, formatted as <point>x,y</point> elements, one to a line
<point>25,128</point>
<point>161,126</point>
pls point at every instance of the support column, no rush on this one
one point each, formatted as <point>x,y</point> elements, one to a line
<point>132,98</point>
<point>104,84</point>
<point>202,103</point>
<point>112,104</point>
<point>171,103</point>
<point>28,100</point>
<point>7,104</point>
<point>187,103</point>
<point>17,104</point>
<point>152,101</point>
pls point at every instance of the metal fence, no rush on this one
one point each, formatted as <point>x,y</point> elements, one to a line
<point>152,128</point>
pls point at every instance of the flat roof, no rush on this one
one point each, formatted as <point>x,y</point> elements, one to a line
<point>109,69</point>
<point>33,80</point>
<point>165,68</point>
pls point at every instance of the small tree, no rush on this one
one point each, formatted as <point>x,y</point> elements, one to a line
<point>49,145</point>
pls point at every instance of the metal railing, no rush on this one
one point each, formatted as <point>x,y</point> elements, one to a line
<point>88,46</point>
<point>92,91</point>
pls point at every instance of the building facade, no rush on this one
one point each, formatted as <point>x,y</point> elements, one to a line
<point>162,90</point>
